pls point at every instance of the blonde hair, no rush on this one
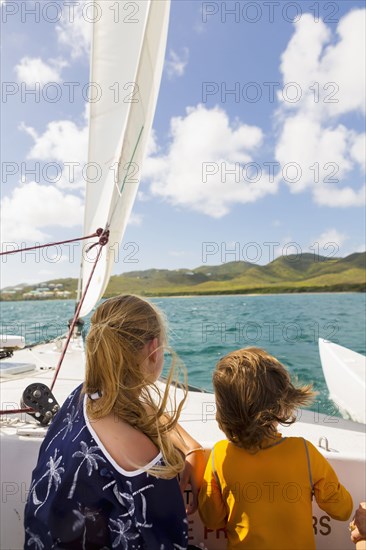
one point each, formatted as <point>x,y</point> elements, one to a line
<point>253,394</point>
<point>120,328</point>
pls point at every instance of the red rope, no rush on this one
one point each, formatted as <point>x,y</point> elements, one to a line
<point>76,316</point>
<point>98,233</point>
<point>15,411</point>
<point>103,240</point>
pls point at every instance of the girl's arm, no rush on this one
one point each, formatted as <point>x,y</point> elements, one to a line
<point>211,506</point>
<point>182,440</point>
<point>196,458</point>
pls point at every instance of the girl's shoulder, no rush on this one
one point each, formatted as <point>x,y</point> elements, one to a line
<point>126,448</point>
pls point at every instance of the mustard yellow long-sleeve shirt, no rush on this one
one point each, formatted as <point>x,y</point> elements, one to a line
<point>264,499</point>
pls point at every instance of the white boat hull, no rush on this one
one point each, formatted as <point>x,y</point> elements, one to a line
<point>345,374</point>
<point>21,439</point>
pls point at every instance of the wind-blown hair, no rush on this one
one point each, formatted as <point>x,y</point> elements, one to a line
<point>253,394</point>
<point>120,328</point>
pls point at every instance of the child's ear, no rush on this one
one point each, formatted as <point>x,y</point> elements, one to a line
<point>153,346</point>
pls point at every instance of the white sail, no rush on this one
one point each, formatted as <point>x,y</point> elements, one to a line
<point>345,374</point>
<point>127,61</point>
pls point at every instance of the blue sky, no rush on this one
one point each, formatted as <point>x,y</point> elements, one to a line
<point>248,88</point>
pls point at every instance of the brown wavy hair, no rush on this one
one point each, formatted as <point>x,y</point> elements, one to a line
<point>253,394</point>
<point>120,328</point>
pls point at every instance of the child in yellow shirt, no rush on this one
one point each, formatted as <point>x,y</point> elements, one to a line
<point>258,484</point>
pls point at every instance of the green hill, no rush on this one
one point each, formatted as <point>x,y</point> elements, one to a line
<point>302,273</point>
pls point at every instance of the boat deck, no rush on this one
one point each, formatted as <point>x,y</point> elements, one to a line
<point>343,443</point>
<point>44,358</point>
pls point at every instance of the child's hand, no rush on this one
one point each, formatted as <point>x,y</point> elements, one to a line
<point>358,524</point>
<point>192,474</point>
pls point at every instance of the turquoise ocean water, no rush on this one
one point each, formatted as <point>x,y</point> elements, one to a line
<point>204,328</point>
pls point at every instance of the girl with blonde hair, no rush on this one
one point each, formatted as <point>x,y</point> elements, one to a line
<point>107,470</point>
<point>258,484</point>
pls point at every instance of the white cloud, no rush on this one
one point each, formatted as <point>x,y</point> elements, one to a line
<point>176,64</point>
<point>62,142</point>
<point>327,195</point>
<point>75,29</point>
<point>330,237</point>
<point>358,150</point>
<point>329,72</point>
<point>33,70</point>
<point>320,153</point>
<point>330,244</point>
<point>344,63</point>
<point>152,144</point>
<point>143,197</point>
<point>307,43</point>
<point>135,219</point>
<point>32,208</point>
<point>202,169</point>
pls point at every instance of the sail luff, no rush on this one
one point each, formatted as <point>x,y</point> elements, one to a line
<point>119,131</point>
<point>80,280</point>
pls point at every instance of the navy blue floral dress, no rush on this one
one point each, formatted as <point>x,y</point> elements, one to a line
<point>81,499</point>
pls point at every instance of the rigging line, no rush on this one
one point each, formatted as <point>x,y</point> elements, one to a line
<point>16,411</point>
<point>96,234</point>
<point>103,240</point>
